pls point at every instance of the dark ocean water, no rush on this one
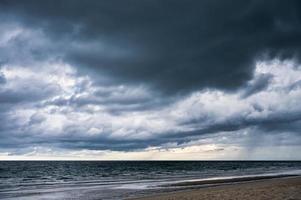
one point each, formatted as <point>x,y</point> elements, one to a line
<point>120,179</point>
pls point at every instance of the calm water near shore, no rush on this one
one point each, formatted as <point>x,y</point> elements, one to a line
<point>122,179</point>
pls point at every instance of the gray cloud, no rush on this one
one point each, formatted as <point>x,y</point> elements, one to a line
<point>257,85</point>
<point>174,46</point>
<point>2,78</point>
<point>127,75</point>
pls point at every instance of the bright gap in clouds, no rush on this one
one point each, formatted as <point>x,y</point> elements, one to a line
<point>53,112</point>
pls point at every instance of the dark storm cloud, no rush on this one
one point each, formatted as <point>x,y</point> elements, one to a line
<point>175,46</point>
<point>73,138</point>
<point>296,85</point>
<point>280,122</point>
<point>2,78</point>
<point>28,93</point>
<point>116,102</point>
<point>257,85</point>
<point>134,59</point>
<point>14,97</point>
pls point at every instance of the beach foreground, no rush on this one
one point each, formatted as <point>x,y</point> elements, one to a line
<point>280,188</point>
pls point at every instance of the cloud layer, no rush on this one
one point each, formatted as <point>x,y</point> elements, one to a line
<point>147,77</point>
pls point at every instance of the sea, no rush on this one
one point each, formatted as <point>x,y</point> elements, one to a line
<point>31,180</point>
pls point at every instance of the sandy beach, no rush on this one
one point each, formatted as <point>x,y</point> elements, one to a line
<point>277,189</point>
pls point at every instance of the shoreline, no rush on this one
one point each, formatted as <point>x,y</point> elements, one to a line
<point>280,187</point>
<point>227,180</point>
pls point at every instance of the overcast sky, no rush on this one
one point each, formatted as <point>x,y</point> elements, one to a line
<point>150,79</point>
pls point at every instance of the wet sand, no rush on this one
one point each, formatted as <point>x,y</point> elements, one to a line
<point>288,188</point>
